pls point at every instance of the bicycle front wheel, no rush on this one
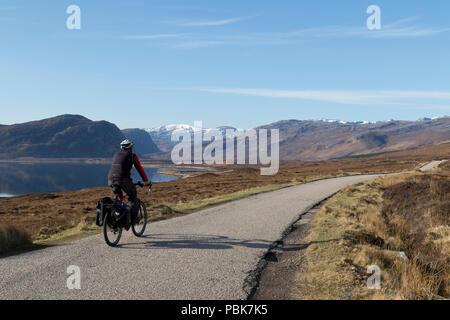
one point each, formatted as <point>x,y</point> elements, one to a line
<point>141,221</point>
<point>111,233</point>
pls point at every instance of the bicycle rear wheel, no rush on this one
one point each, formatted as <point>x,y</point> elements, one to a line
<point>112,234</point>
<point>141,221</point>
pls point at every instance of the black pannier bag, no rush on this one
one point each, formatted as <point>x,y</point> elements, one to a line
<point>103,206</point>
<point>120,213</point>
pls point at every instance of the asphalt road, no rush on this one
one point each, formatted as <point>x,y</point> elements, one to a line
<point>431,166</point>
<point>205,255</point>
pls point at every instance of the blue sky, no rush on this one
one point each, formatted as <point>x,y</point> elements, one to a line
<point>237,62</point>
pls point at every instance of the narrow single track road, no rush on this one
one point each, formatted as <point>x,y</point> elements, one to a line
<point>210,254</point>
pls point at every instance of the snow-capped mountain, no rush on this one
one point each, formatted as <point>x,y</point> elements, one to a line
<point>164,133</point>
<point>345,122</point>
<point>325,139</point>
<point>330,138</point>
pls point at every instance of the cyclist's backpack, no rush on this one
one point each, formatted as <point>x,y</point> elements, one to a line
<point>103,206</point>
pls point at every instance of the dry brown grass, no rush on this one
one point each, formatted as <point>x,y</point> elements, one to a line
<point>417,214</point>
<point>336,238</point>
<point>376,223</point>
<point>13,238</point>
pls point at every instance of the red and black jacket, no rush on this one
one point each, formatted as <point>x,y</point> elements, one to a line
<point>122,164</point>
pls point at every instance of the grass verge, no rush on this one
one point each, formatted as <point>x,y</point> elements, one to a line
<point>397,222</point>
<point>84,229</point>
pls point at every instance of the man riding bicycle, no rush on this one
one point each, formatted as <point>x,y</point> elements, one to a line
<point>119,177</point>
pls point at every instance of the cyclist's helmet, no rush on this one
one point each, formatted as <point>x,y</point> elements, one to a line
<point>126,144</point>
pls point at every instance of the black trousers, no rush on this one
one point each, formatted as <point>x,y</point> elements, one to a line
<point>130,189</point>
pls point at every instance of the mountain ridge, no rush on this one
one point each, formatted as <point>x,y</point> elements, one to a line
<point>64,136</point>
<point>75,136</point>
<point>324,139</point>
<point>306,140</point>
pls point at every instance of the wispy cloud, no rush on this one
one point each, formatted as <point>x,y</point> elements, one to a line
<point>243,41</point>
<point>153,36</point>
<point>199,44</point>
<point>335,96</point>
<point>404,28</point>
<point>399,28</point>
<point>209,23</point>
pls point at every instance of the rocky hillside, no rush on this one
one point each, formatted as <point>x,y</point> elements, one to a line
<point>65,136</point>
<point>325,139</point>
<point>329,139</point>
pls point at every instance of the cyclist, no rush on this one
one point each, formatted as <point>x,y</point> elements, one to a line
<point>119,177</point>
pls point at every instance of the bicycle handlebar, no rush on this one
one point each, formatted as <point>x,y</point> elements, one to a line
<point>140,184</point>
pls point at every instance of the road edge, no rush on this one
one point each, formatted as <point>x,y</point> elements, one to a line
<point>252,281</point>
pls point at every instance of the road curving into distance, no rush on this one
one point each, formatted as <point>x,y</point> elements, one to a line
<point>210,254</point>
<point>431,166</point>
